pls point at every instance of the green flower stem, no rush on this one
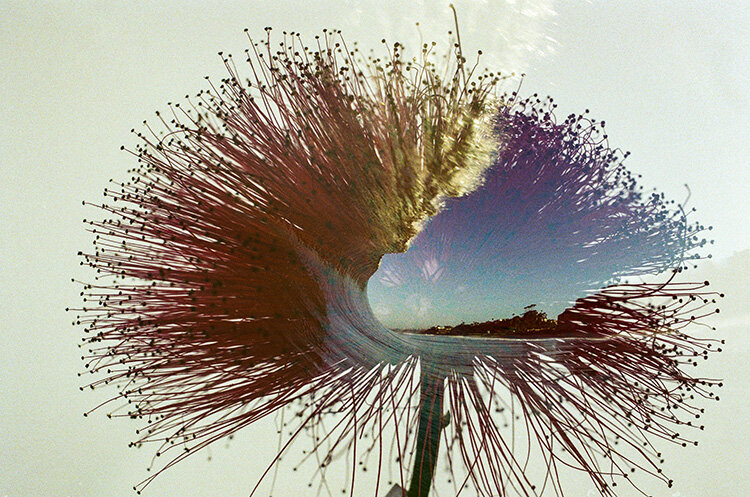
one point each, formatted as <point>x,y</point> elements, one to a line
<point>428,434</point>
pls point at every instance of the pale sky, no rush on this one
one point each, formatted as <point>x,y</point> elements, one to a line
<point>670,78</point>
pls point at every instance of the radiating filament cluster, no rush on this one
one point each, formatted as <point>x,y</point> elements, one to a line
<point>237,274</point>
